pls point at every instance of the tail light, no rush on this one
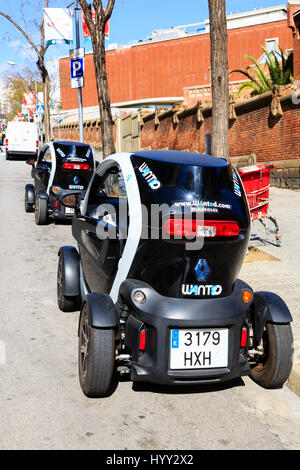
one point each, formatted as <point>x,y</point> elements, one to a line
<point>244,338</point>
<point>76,166</point>
<point>142,344</point>
<point>37,144</point>
<point>6,142</point>
<point>201,228</point>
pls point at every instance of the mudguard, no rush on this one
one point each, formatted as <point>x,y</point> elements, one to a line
<point>30,191</point>
<point>101,310</point>
<point>42,194</point>
<point>70,260</point>
<point>269,308</point>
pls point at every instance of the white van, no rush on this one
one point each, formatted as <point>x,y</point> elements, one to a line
<point>21,139</point>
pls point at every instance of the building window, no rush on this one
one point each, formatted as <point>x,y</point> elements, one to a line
<point>271,45</point>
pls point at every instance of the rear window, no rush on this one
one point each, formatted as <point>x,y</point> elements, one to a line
<point>210,190</point>
<point>73,153</point>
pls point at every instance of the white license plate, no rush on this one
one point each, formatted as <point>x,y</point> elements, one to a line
<point>198,349</point>
<point>69,210</point>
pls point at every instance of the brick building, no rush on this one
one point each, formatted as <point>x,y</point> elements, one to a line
<point>174,66</point>
<point>173,70</point>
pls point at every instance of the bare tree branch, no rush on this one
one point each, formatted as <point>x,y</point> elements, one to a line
<point>40,64</point>
<point>22,31</point>
<point>109,9</point>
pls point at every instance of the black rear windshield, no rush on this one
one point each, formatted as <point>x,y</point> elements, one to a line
<point>73,153</point>
<point>210,190</point>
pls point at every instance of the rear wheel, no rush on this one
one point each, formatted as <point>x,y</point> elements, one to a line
<point>96,350</point>
<point>65,303</point>
<point>41,211</point>
<point>28,207</point>
<point>273,368</point>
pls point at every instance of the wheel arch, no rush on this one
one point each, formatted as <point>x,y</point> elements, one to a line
<point>102,313</point>
<point>269,308</point>
<point>71,269</point>
<point>30,191</point>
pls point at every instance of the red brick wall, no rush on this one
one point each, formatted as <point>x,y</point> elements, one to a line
<point>254,132</point>
<point>163,69</point>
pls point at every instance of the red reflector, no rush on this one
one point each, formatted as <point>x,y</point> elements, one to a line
<point>76,166</point>
<point>244,338</point>
<point>201,228</point>
<point>142,340</point>
<point>56,204</point>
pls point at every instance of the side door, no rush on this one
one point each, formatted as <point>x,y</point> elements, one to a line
<point>99,231</point>
<point>42,170</point>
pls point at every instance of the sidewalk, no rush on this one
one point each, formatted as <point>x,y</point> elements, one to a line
<point>282,276</point>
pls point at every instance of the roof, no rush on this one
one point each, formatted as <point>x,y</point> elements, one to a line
<point>68,142</point>
<point>182,158</point>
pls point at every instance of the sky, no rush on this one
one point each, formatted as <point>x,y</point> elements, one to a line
<point>131,20</point>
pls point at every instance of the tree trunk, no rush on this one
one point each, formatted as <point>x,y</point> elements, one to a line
<point>108,144</point>
<point>219,78</point>
<point>97,29</point>
<point>46,95</point>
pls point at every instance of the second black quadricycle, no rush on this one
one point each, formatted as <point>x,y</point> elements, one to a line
<point>62,169</point>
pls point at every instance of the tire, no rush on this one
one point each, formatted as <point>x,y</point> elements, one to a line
<point>276,363</point>
<point>65,303</point>
<point>28,207</point>
<point>96,350</point>
<point>41,211</point>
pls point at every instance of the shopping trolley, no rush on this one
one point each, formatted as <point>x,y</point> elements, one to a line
<point>256,181</point>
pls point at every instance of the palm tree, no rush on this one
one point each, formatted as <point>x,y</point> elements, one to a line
<point>279,72</point>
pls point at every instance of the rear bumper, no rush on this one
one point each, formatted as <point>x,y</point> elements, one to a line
<point>59,211</point>
<point>159,315</point>
<point>20,153</point>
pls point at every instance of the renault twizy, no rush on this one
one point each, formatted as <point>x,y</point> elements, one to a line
<point>62,168</point>
<point>161,237</point>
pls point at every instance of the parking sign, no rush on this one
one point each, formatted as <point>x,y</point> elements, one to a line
<point>77,67</point>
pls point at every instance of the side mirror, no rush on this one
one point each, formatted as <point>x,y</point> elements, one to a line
<point>30,162</point>
<point>73,201</point>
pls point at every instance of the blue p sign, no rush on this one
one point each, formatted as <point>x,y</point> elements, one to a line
<point>77,68</point>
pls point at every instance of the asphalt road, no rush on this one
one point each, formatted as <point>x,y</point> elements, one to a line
<point>41,403</point>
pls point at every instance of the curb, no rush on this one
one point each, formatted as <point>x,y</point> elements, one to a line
<point>294,380</point>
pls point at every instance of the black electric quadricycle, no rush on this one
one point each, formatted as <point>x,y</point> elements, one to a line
<point>161,238</point>
<point>61,169</point>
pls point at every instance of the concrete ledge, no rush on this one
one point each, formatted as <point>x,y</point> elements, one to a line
<point>294,379</point>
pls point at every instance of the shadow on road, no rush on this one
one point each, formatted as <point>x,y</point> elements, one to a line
<point>185,389</point>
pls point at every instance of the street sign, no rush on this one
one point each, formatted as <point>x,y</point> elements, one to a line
<point>40,109</point>
<point>77,67</point>
<point>77,73</point>
<point>77,53</point>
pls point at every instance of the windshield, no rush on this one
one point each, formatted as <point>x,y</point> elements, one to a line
<point>73,153</point>
<point>213,191</point>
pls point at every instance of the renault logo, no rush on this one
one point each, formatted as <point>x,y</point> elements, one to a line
<point>202,270</point>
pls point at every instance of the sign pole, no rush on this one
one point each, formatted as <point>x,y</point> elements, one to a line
<point>80,107</point>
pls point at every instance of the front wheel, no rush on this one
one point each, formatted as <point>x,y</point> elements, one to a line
<point>65,303</point>
<point>41,211</point>
<point>274,367</point>
<point>96,351</point>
